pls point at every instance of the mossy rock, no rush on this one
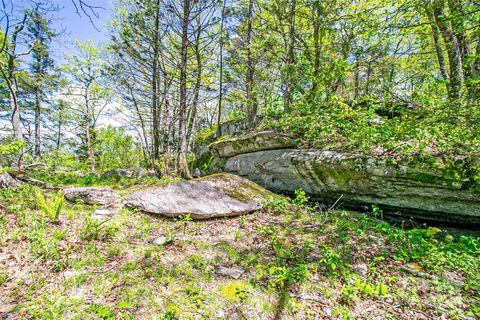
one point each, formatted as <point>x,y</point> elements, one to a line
<point>229,146</point>
<point>213,196</point>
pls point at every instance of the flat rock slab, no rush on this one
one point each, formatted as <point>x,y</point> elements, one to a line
<point>92,195</point>
<point>252,142</point>
<point>208,197</point>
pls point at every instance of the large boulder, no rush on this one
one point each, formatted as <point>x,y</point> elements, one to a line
<point>208,197</point>
<point>7,181</point>
<point>252,142</point>
<point>412,191</point>
<point>92,195</point>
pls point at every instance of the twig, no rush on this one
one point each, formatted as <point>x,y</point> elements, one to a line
<point>333,206</point>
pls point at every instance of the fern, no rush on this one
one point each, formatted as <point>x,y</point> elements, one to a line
<point>51,208</point>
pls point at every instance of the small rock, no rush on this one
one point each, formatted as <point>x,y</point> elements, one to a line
<point>92,195</point>
<point>235,272</point>
<point>361,269</point>
<point>377,240</point>
<point>163,240</point>
<point>102,212</point>
<point>71,273</point>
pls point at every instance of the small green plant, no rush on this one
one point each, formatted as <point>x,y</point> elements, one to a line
<point>184,219</point>
<point>94,229</point>
<point>301,198</point>
<point>104,312</point>
<point>51,208</point>
<point>377,212</point>
<point>4,277</point>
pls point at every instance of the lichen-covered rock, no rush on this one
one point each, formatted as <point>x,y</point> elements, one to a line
<point>7,181</point>
<point>258,141</point>
<point>208,197</point>
<point>326,175</point>
<point>92,195</point>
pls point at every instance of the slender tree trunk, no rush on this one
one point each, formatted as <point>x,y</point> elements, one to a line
<point>143,125</point>
<point>154,83</point>
<point>317,13</point>
<point>182,160</point>
<point>196,91</point>
<point>287,93</point>
<point>251,101</point>
<point>88,132</point>
<point>12,83</point>
<point>220,80</point>
<point>38,101</point>
<point>453,50</point>
<point>440,57</point>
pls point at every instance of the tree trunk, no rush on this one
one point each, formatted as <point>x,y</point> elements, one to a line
<point>287,93</point>
<point>38,101</point>
<point>12,83</point>
<point>182,159</point>
<point>220,80</point>
<point>88,137</point>
<point>317,13</point>
<point>251,101</point>
<point>453,51</point>
<point>196,90</point>
<point>154,83</point>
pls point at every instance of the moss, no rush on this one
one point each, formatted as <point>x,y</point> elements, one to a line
<point>236,187</point>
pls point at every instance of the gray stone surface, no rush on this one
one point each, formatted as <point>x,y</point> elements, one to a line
<point>208,197</point>
<point>361,180</point>
<point>92,195</point>
<point>252,142</point>
<point>7,181</point>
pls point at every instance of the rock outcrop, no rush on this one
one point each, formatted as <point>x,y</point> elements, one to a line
<point>92,195</point>
<point>208,197</point>
<point>252,142</point>
<point>410,191</point>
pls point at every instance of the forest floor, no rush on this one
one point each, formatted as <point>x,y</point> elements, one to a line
<point>287,261</point>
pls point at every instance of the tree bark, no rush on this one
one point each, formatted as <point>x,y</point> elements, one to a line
<point>290,59</point>
<point>196,91</point>
<point>182,159</point>
<point>251,101</point>
<point>88,137</point>
<point>317,13</point>
<point>154,83</point>
<point>12,84</point>
<point>38,101</point>
<point>453,50</point>
<point>220,80</point>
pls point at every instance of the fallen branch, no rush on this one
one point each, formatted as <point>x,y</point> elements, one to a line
<point>430,277</point>
<point>333,206</point>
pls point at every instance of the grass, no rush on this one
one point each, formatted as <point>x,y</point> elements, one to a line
<point>299,262</point>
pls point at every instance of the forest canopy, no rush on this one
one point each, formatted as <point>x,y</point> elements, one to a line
<point>387,78</point>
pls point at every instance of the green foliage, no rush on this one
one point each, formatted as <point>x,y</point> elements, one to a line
<point>116,150</point>
<point>10,151</point>
<point>81,179</point>
<point>301,198</point>
<point>206,136</point>
<point>419,135</point>
<point>51,208</point>
<point>94,229</point>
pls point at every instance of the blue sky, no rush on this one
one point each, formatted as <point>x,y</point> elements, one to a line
<point>80,27</point>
